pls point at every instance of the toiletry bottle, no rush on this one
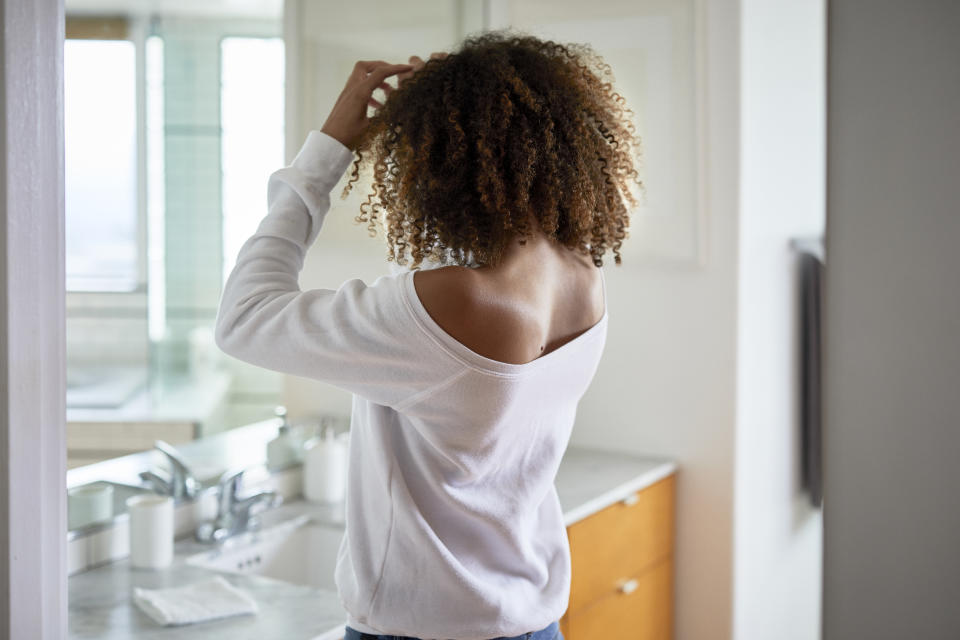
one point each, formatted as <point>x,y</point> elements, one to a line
<point>282,450</point>
<point>324,468</point>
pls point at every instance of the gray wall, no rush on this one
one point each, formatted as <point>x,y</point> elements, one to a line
<point>892,396</point>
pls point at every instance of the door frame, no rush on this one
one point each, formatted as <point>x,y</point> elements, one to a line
<point>33,513</point>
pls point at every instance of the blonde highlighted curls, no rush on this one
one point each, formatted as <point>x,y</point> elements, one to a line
<point>505,132</point>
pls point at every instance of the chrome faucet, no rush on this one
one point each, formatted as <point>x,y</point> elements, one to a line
<point>180,483</point>
<point>234,514</point>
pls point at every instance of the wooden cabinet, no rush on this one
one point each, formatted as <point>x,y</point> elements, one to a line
<point>622,557</point>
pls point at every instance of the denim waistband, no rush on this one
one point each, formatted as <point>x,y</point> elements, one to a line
<point>550,632</point>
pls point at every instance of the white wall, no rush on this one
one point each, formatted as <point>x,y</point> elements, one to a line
<point>891,436</point>
<point>778,535</point>
<point>665,385</point>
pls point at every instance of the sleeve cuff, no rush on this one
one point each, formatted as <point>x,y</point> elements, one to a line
<point>323,158</point>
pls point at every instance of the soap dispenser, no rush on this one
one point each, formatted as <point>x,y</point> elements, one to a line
<point>282,450</point>
<point>325,468</point>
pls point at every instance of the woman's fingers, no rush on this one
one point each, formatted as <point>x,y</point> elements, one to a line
<point>380,73</point>
<point>370,75</point>
<point>371,67</point>
<point>364,70</point>
<point>376,81</point>
<point>361,69</point>
<point>348,118</point>
<point>416,63</point>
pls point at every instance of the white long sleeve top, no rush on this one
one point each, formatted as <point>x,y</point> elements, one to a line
<point>453,526</point>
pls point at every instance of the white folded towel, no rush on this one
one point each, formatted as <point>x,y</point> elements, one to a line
<point>205,600</point>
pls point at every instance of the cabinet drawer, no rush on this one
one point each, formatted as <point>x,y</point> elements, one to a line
<point>645,613</point>
<point>620,541</point>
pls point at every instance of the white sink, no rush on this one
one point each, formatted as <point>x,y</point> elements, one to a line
<point>300,550</point>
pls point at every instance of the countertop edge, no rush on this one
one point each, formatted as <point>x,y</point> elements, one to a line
<point>604,500</point>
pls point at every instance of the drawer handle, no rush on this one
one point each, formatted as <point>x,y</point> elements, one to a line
<point>629,587</point>
<point>631,499</point>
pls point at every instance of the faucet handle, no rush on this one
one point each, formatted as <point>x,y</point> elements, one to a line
<point>235,514</point>
<point>158,481</point>
<point>227,488</point>
<point>182,481</point>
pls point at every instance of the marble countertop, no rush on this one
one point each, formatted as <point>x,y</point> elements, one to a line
<point>100,604</point>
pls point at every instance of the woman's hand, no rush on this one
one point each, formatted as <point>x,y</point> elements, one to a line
<point>417,63</point>
<point>348,118</point>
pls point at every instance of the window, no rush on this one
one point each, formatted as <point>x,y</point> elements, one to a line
<point>100,128</point>
<point>155,190</point>
<point>251,120</point>
<point>173,127</point>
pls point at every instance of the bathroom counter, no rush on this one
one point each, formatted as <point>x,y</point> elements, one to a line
<point>589,480</point>
<point>100,604</point>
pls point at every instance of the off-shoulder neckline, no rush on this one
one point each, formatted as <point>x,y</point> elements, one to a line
<point>466,355</point>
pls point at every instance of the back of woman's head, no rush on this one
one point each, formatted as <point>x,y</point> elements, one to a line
<point>506,132</point>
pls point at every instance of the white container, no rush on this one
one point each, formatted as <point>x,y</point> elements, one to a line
<point>325,468</point>
<point>283,451</point>
<point>89,504</point>
<point>202,350</point>
<point>151,531</point>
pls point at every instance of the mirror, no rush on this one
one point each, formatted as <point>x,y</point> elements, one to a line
<point>176,113</point>
<point>174,119</point>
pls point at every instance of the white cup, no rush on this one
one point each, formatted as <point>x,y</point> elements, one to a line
<point>89,504</point>
<point>151,531</point>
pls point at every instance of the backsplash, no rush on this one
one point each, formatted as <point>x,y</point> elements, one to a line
<point>106,329</point>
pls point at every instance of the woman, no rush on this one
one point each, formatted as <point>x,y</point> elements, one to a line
<point>503,166</point>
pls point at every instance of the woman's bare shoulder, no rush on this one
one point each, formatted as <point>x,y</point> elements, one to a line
<point>460,301</point>
<point>443,291</point>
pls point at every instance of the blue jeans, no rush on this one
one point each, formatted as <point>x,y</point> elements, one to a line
<point>550,632</point>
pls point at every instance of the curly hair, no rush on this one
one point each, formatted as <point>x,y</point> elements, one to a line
<point>505,133</point>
